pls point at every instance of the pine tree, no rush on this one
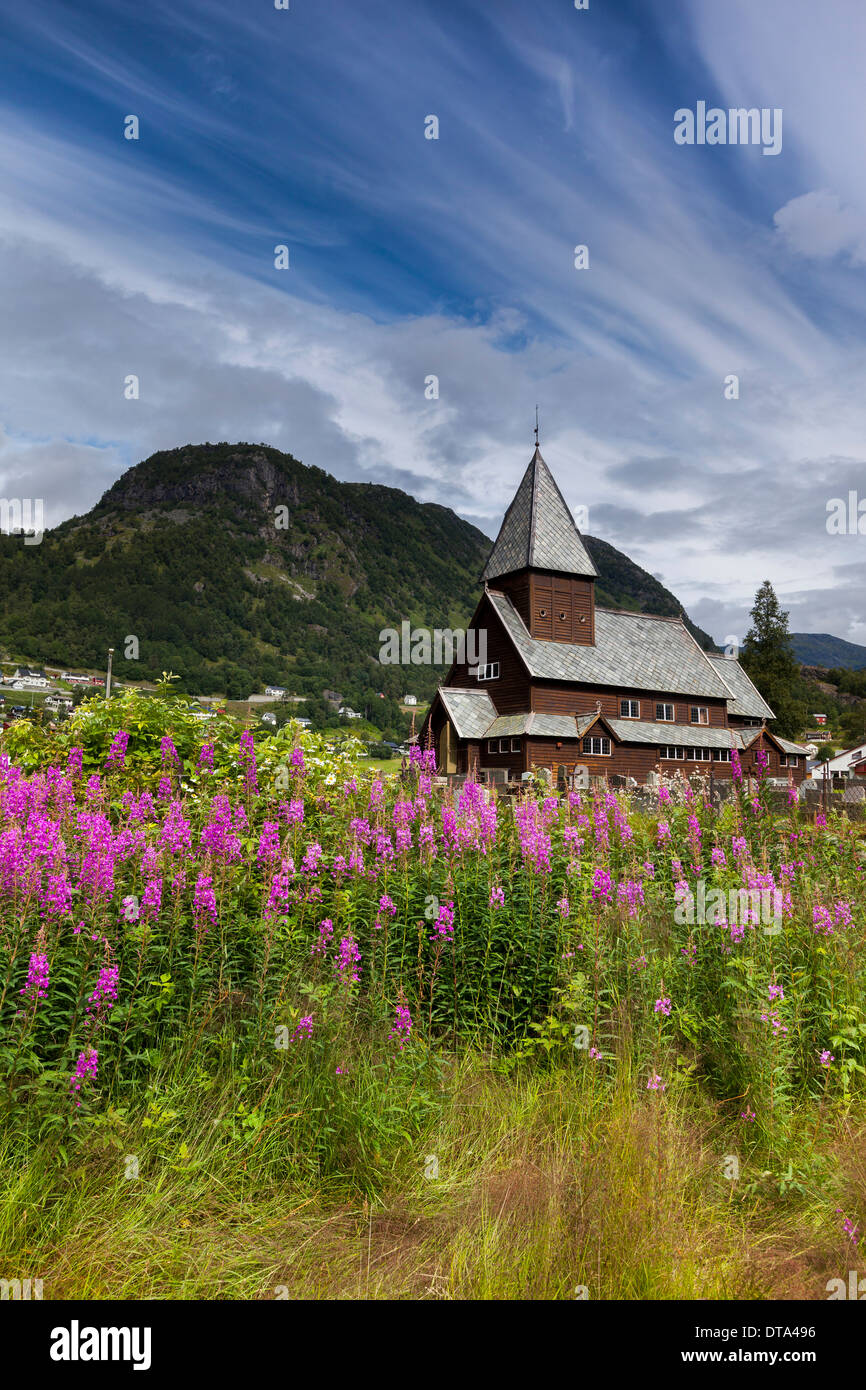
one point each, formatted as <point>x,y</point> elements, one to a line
<point>769,661</point>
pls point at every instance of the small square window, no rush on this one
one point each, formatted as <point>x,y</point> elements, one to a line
<point>515,745</point>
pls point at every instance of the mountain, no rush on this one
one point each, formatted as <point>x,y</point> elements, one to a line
<point>822,649</point>
<point>236,566</point>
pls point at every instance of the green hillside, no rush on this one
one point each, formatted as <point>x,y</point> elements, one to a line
<point>236,566</point>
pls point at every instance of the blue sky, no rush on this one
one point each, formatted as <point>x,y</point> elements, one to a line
<point>454,257</point>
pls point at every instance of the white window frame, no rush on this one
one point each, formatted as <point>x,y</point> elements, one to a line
<point>721,755</point>
<point>630,705</point>
<point>489,671</point>
<point>662,718</point>
<point>515,745</point>
<point>699,710</point>
<point>602,752</point>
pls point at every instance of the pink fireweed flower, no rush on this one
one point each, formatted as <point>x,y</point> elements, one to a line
<point>630,892</point>
<point>848,1226</point>
<point>736,766</point>
<point>296,760</point>
<point>176,834</point>
<point>820,820</point>
<point>601,884</point>
<point>85,1070</point>
<point>205,758</point>
<point>822,921</point>
<point>347,960</point>
<point>269,843</point>
<point>826,1058</point>
<point>304,1029</point>
<point>168,752</point>
<point>563,907</point>
<point>312,856</point>
<point>386,905</point>
<point>748,1114</point>
<point>280,892</point>
<point>776,992</point>
<point>38,977</point>
<point>204,902</point>
<point>443,927</point>
<point>294,812</point>
<point>326,933</point>
<point>663,1006</point>
<point>163,789</point>
<point>402,1026</point>
<point>151,898</point>
<point>663,831</point>
<point>655,1083</point>
<point>57,898</point>
<point>719,858</point>
<point>497,897</point>
<point>117,751</point>
<point>75,762</point>
<point>104,996</point>
<point>664,796</point>
<point>594,1054</point>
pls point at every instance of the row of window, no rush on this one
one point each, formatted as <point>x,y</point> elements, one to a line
<point>599,747</point>
<point>665,713</point>
<point>503,745</point>
<point>696,755</point>
<point>628,709</point>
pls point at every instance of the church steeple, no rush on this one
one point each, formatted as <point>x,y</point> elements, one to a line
<point>538,530</point>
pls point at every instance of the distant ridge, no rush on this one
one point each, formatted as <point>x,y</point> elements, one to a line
<point>822,649</point>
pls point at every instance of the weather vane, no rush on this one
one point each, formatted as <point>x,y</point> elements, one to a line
<point>536,427</point>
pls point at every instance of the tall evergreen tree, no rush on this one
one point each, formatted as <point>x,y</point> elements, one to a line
<point>768,658</point>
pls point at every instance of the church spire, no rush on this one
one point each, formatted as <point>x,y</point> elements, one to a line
<point>538,530</point>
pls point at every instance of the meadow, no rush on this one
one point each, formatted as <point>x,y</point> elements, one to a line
<point>277,1025</point>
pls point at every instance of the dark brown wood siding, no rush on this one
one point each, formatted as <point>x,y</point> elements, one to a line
<point>510,692</point>
<point>554,607</point>
<point>558,698</point>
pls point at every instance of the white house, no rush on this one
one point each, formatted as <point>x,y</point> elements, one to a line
<point>410,699</point>
<point>348,713</point>
<point>278,691</point>
<point>841,766</point>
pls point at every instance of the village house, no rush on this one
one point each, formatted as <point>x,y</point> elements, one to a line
<point>568,685</point>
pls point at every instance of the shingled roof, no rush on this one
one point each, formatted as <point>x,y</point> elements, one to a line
<point>747,700</point>
<point>632,652</point>
<point>538,530</point>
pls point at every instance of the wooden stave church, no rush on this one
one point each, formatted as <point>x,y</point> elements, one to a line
<point>560,673</point>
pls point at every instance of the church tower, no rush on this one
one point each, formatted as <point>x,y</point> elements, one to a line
<point>540,561</point>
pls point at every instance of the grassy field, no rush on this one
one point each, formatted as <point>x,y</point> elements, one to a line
<point>272,1026</point>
